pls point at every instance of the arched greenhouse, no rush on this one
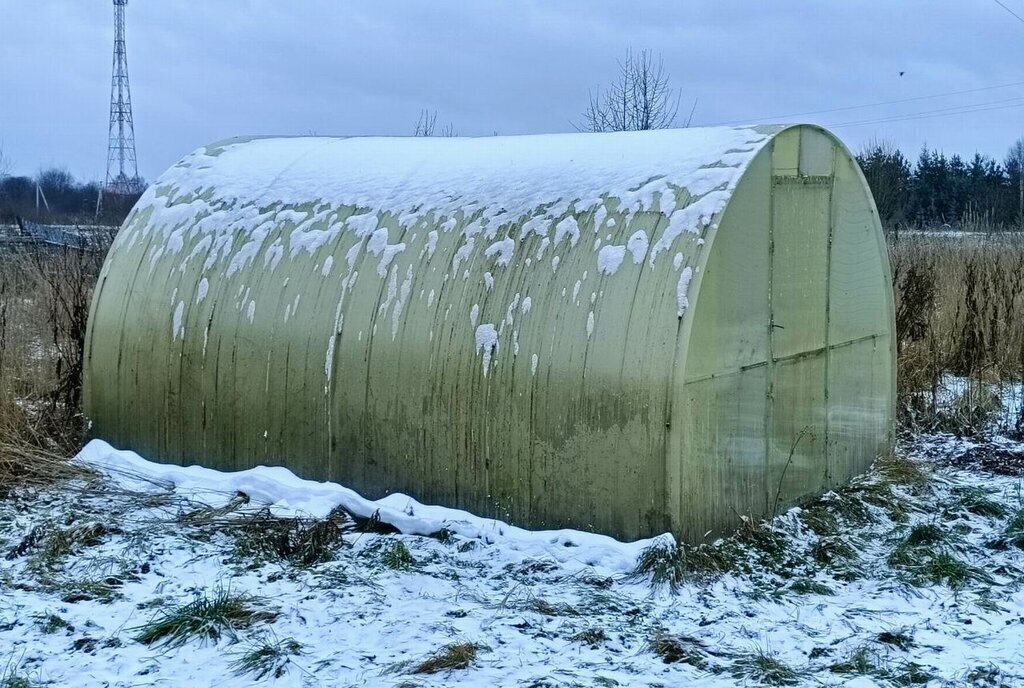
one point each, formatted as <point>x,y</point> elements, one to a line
<point>626,333</point>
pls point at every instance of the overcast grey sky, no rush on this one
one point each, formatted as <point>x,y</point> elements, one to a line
<point>203,70</point>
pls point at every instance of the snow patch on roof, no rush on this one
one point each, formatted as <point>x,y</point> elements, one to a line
<point>682,288</point>
<point>567,227</point>
<point>177,327</point>
<point>610,258</point>
<point>487,343</point>
<point>503,249</point>
<point>202,290</point>
<point>638,244</point>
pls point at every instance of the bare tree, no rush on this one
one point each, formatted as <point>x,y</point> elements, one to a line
<point>427,123</point>
<point>639,99</point>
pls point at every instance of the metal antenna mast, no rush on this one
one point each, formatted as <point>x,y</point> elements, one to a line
<point>122,170</point>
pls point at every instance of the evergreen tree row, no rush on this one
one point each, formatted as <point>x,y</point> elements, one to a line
<point>939,191</point>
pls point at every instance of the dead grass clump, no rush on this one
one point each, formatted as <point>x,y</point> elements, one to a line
<point>807,586</point>
<point>50,545</point>
<point>677,649</point>
<point>25,465</point>
<point>924,557</point>
<point>850,507</point>
<point>205,618</point>
<point>593,637</point>
<point>971,413</point>
<point>103,590</point>
<point>205,514</point>
<point>449,658</point>
<point>865,661</point>
<point>664,564</point>
<point>988,677</point>
<point>542,606</point>
<point>51,623</point>
<point>672,565</point>
<point>899,469</point>
<point>979,502</point>
<point>902,639</point>
<point>880,495</point>
<point>267,658</point>
<point>761,536</point>
<point>923,540</point>
<point>829,551</point>
<point>396,555</point>
<point>12,676</point>
<point>1014,533</point>
<point>820,519</point>
<point>766,669</point>
<point>298,541</point>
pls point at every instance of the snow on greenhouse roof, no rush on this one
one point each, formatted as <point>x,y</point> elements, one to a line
<point>385,172</point>
<point>479,185</point>
<point>501,178</point>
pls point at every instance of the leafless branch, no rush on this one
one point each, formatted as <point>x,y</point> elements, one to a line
<point>640,98</point>
<point>426,123</point>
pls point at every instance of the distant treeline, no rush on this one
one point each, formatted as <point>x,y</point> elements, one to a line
<point>936,190</point>
<point>67,201</point>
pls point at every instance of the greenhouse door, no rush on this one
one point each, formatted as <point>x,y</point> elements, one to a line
<point>799,266</point>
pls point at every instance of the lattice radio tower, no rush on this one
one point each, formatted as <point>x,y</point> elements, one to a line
<point>122,169</point>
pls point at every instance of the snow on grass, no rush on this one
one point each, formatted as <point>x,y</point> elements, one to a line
<point>187,576</point>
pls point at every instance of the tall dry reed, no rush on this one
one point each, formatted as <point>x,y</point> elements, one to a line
<point>960,316</point>
<point>45,292</point>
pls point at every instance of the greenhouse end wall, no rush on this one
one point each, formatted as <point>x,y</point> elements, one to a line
<point>788,384</point>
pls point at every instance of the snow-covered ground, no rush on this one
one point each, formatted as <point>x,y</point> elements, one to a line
<point>908,577</point>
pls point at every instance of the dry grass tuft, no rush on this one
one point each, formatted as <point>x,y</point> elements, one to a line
<point>27,465</point>
<point>902,470</point>
<point>450,657</point>
<point>267,658</point>
<point>677,649</point>
<point>671,565</point>
<point>205,618</point>
<point>766,669</point>
<point>299,541</point>
<point>396,555</point>
<point>593,636</point>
